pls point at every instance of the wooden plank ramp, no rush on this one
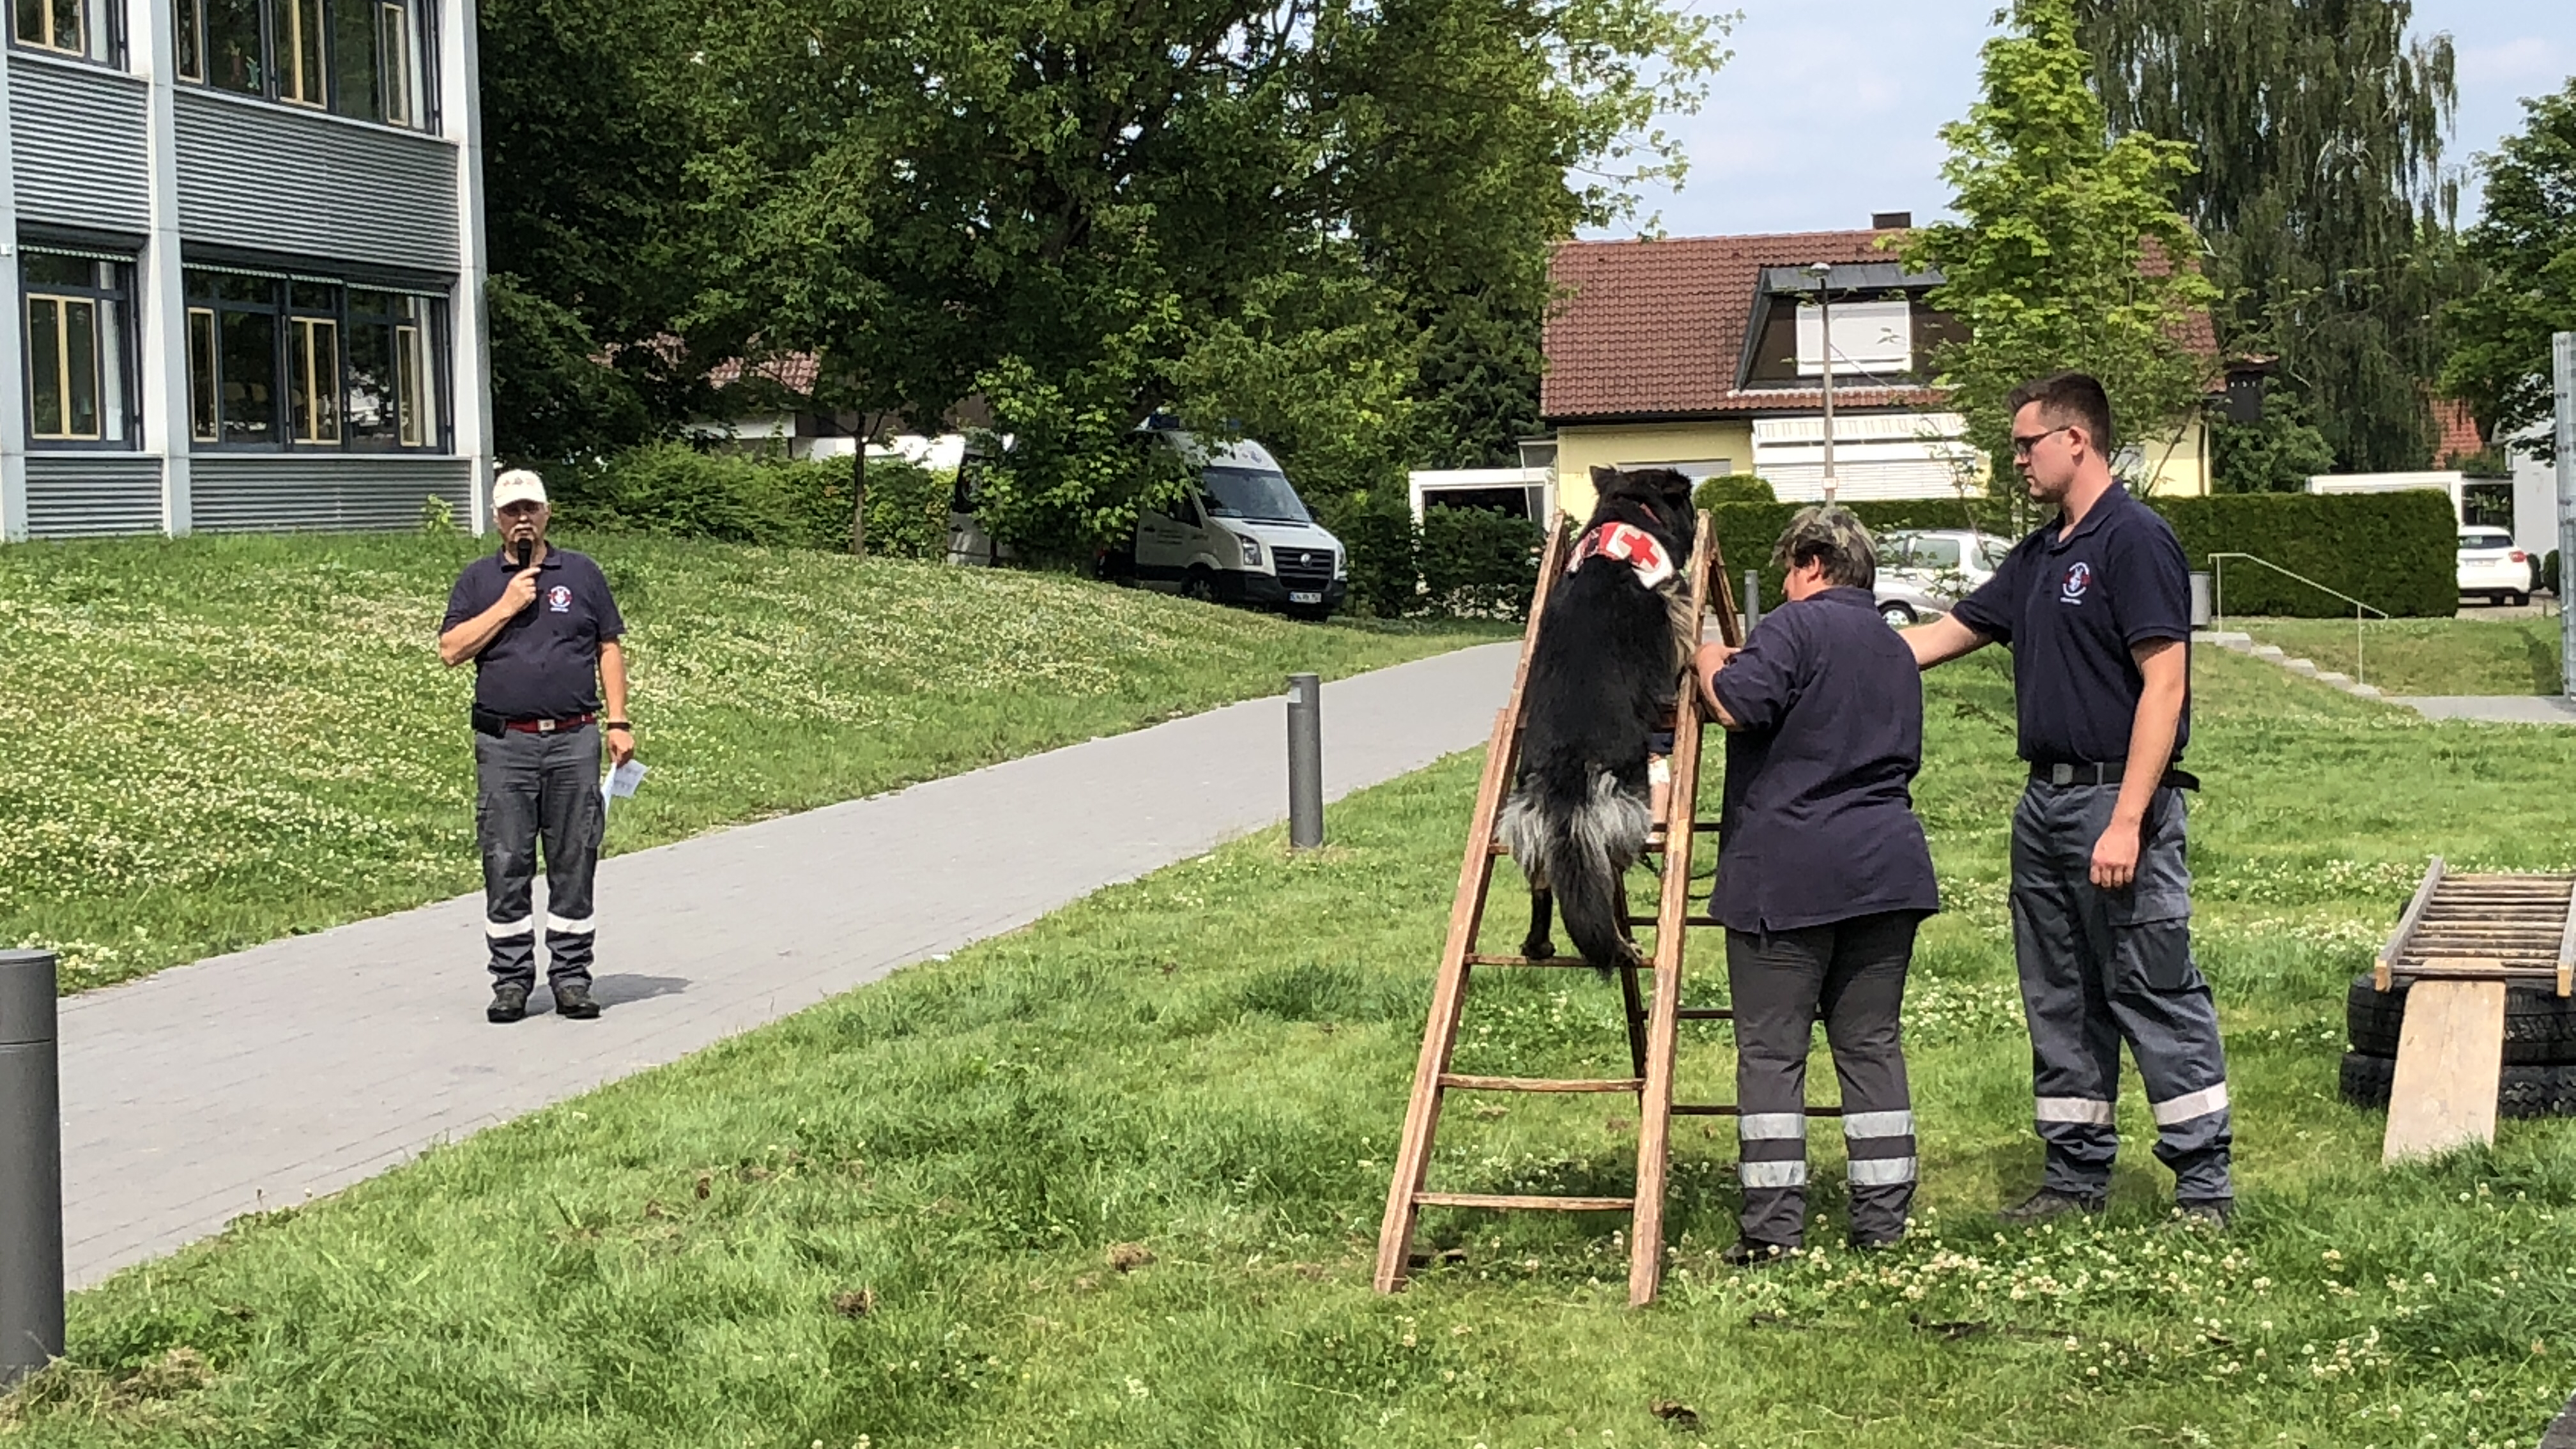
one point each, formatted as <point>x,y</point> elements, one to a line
<point>1653,1010</point>
<point>2461,939</point>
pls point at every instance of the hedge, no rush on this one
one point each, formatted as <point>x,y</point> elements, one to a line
<point>2394,551</point>
<point>1457,562</point>
<point>673,490</point>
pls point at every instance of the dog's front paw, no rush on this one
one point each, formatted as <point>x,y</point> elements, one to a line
<point>1538,948</point>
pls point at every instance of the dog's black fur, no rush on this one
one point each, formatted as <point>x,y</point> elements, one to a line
<point>1610,657</point>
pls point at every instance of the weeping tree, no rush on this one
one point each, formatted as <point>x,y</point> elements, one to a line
<point>2318,126</point>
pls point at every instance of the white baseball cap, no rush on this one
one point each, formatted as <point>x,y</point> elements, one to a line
<point>517,486</point>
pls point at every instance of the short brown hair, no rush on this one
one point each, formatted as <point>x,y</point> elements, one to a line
<point>2069,397</point>
<point>1835,537</point>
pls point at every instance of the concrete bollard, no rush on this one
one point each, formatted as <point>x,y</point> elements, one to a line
<point>2200,614</point>
<point>31,1168</point>
<point>1752,600</point>
<point>1305,761</point>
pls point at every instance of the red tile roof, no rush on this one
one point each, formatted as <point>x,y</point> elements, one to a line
<point>794,371</point>
<point>2458,433</point>
<point>1656,328</point>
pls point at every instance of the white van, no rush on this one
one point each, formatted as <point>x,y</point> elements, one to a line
<point>1241,535</point>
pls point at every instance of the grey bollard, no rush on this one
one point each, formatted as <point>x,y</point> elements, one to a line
<point>1305,761</point>
<point>31,1168</point>
<point>2200,600</point>
<point>1752,600</point>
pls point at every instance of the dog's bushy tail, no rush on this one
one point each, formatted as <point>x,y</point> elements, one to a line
<point>1577,831</point>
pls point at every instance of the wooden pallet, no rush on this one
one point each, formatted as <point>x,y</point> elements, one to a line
<point>2461,940</point>
<point>1653,1016</point>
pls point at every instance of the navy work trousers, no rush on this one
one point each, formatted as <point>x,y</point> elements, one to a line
<point>2099,967</point>
<point>1851,976</point>
<point>531,788</point>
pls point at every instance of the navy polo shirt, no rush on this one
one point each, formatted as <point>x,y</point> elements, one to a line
<point>1819,820</point>
<point>2073,609</point>
<point>544,664</point>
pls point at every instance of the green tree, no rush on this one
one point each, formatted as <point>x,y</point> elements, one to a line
<point>2064,257</point>
<point>587,216</point>
<point>2276,455</point>
<point>1231,212</point>
<point>2500,358</point>
<point>2318,128</point>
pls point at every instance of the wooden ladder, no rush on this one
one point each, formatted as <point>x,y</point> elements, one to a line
<point>2461,940</point>
<point>1652,1023</point>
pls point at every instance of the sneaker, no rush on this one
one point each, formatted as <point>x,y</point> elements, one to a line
<point>572,998</point>
<point>509,1003</point>
<point>1754,1253</point>
<point>2209,1215</point>
<point>2048,1203</point>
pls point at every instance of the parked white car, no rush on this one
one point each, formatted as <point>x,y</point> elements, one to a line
<point>2490,565</point>
<point>1921,573</point>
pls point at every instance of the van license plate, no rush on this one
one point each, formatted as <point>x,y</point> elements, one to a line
<point>1305,598</point>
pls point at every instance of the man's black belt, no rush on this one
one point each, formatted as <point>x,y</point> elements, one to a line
<point>487,722</point>
<point>2111,773</point>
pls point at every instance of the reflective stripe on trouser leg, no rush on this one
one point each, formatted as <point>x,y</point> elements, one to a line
<point>505,836</point>
<point>1774,981</point>
<point>574,820</point>
<point>1863,1005</point>
<point>2061,945</point>
<point>2165,1010</point>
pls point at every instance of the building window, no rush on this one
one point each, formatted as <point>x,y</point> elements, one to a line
<point>355,57</point>
<point>308,363</point>
<point>86,29</point>
<point>391,401</point>
<point>79,349</point>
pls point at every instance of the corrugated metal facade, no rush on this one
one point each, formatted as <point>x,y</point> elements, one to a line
<point>92,495</point>
<point>326,493</point>
<point>78,134</point>
<point>255,174</point>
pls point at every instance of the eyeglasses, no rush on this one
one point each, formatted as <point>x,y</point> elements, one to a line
<point>2024,447</point>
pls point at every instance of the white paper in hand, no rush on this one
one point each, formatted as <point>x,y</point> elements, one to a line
<point>620,781</point>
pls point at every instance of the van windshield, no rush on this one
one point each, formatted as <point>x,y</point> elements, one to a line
<point>1252,493</point>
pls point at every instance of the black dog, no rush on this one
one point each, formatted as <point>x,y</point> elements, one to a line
<point>1611,650</point>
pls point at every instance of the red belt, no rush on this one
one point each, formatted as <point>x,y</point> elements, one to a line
<point>547,726</point>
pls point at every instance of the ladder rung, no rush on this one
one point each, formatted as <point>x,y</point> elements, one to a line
<point>1543,1084</point>
<point>1525,961</point>
<point>1704,1109</point>
<point>1686,920</point>
<point>1704,1013</point>
<point>1510,1200</point>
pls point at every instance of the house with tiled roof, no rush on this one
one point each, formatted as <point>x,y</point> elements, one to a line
<point>1709,354</point>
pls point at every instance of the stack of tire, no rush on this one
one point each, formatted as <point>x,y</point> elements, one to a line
<point>2539,1048</point>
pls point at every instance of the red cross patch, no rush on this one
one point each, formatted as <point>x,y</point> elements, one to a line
<point>1630,545</point>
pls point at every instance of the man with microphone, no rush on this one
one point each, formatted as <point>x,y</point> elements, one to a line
<point>543,633</point>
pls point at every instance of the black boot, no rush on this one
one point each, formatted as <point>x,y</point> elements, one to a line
<point>509,1003</point>
<point>572,998</point>
<point>2048,1203</point>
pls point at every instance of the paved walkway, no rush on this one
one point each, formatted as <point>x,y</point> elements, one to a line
<point>260,1079</point>
<point>2493,708</point>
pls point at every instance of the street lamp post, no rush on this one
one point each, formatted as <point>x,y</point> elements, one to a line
<point>1825,320</point>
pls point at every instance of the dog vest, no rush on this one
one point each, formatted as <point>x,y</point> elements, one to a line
<point>1629,544</point>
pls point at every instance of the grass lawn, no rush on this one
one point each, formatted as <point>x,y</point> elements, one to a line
<point>2426,656</point>
<point>1115,1180</point>
<point>219,741</point>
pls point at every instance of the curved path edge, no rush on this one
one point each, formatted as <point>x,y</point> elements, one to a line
<point>260,1079</point>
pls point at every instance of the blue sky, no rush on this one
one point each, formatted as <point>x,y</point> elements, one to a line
<point>1828,112</point>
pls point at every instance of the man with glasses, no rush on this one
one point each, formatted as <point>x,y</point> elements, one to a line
<point>2096,607</point>
<point>544,635</point>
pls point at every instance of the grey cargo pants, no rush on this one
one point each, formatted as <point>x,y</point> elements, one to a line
<point>530,787</point>
<point>2099,966</point>
<point>1851,974</point>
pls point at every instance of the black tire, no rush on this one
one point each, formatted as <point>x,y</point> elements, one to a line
<point>2539,1027</point>
<point>1897,615</point>
<point>2525,1092</point>
<point>2521,600</point>
<point>1200,585</point>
